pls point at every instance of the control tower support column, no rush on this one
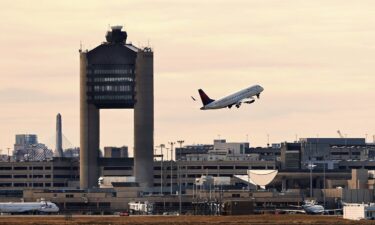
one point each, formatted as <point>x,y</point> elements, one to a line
<point>144,119</point>
<point>89,133</point>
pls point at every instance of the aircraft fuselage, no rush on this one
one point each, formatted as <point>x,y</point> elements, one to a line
<point>235,99</point>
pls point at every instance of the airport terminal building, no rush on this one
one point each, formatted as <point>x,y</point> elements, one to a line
<point>58,179</point>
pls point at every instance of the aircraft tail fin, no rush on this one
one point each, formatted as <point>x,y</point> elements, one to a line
<point>205,99</point>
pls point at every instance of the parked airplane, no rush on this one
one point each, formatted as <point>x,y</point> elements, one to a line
<point>243,96</point>
<point>22,207</point>
<point>308,207</point>
<point>311,207</point>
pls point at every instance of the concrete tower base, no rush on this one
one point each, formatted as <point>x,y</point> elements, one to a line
<point>144,119</point>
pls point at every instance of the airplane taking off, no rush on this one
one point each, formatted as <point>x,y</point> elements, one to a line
<point>243,96</point>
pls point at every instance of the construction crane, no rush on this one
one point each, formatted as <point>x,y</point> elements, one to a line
<point>340,134</point>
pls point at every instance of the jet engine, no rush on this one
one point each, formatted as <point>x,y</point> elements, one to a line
<point>249,102</point>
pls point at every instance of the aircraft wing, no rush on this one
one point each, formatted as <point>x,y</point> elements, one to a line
<point>292,211</point>
<point>333,211</point>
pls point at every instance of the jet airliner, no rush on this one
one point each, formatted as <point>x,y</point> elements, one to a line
<point>308,207</point>
<point>22,207</point>
<point>244,96</point>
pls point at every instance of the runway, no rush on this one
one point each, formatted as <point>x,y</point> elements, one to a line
<point>185,220</point>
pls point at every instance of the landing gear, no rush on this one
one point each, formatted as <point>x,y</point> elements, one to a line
<point>258,95</point>
<point>238,106</point>
<point>230,106</point>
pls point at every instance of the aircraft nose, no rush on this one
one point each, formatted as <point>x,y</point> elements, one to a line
<point>261,88</point>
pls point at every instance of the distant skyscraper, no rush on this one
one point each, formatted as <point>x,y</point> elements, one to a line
<point>22,142</point>
<point>59,148</point>
<point>26,139</point>
<point>28,148</point>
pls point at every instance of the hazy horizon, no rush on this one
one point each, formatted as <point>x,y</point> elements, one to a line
<point>315,60</point>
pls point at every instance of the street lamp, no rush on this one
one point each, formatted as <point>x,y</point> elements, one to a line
<point>171,143</point>
<point>311,166</point>
<point>8,155</point>
<point>161,146</point>
<point>179,177</point>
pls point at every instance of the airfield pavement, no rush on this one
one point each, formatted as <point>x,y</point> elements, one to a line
<point>182,220</point>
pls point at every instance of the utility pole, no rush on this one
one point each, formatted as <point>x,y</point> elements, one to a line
<point>179,178</point>
<point>171,143</point>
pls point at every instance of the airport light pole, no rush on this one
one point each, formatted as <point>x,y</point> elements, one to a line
<point>8,155</point>
<point>161,146</point>
<point>324,184</point>
<point>248,178</point>
<point>171,143</point>
<point>311,167</point>
<point>161,168</point>
<point>179,178</point>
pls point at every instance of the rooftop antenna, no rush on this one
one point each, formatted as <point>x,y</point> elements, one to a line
<point>268,140</point>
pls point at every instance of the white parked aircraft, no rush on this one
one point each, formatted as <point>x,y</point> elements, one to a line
<point>308,207</point>
<point>311,207</point>
<point>21,207</point>
<point>243,96</point>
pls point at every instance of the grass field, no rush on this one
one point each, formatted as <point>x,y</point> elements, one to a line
<point>182,220</point>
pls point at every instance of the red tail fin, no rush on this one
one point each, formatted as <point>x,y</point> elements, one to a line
<point>205,99</point>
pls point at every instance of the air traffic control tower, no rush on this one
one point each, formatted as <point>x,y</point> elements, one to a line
<point>116,75</point>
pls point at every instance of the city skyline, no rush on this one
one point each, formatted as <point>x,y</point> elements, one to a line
<point>312,58</point>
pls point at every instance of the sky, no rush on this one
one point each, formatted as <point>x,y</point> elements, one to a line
<point>315,60</point>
